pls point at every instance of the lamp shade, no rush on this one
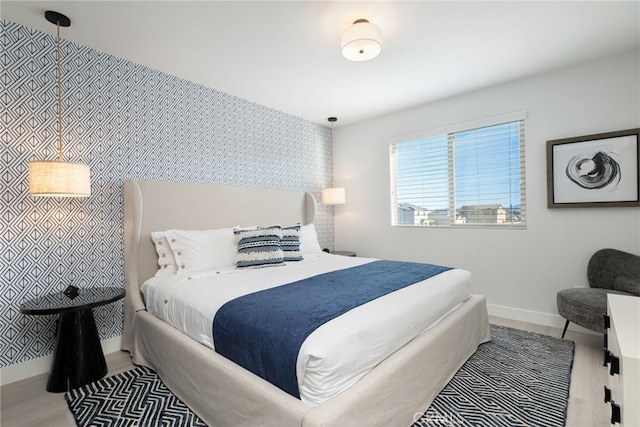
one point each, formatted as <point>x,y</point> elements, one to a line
<point>361,41</point>
<point>59,179</point>
<point>333,196</point>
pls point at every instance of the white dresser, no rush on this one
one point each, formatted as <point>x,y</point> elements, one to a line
<point>622,357</point>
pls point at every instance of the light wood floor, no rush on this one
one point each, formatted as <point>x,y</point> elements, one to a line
<point>27,403</point>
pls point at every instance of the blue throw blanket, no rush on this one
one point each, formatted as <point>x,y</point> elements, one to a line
<point>263,331</point>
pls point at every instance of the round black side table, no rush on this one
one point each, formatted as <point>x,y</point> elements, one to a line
<point>77,358</point>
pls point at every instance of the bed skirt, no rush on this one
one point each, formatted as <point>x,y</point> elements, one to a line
<point>224,394</point>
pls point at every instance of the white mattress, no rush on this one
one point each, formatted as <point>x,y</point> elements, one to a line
<point>340,352</point>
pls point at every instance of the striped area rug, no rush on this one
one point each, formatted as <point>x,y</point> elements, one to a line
<point>517,379</point>
<point>132,398</point>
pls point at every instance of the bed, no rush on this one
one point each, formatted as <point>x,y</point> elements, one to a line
<point>396,391</point>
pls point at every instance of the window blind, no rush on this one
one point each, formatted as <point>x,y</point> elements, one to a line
<point>469,177</point>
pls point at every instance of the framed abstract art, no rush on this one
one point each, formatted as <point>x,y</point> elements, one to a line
<point>598,170</point>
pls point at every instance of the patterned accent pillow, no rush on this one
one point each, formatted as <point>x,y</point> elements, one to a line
<point>259,247</point>
<point>291,243</point>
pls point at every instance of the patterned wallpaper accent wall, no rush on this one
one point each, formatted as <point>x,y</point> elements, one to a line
<point>126,121</point>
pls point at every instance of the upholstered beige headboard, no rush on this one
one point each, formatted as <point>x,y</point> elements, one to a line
<point>156,206</point>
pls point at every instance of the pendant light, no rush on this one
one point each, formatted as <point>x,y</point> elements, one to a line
<point>335,195</point>
<point>58,178</point>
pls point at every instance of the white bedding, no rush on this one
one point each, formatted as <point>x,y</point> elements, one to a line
<point>340,352</point>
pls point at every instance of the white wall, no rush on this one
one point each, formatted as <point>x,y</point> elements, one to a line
<point>520,269</point>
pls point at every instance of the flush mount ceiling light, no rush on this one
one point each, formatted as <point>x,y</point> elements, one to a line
<point>361,41</point>
<point>58,178</point>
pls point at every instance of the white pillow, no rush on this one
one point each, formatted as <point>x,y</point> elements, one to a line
<point>197,250</point>
<point>166,259</point>
<point>309,240</point>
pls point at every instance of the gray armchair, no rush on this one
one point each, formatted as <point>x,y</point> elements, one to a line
<point>609,272</point>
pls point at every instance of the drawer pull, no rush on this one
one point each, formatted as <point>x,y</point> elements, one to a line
<point>606,341</point>
<point>607,357</point>
<point>615,365</point>
<point>607,394</point>
<point>615,413</point>
<point>607,321</point>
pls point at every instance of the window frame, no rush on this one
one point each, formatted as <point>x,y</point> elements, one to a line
<point>447,133</point>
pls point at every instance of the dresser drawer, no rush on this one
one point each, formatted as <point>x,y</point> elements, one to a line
<point>622,359</point>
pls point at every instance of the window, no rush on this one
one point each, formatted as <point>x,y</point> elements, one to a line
<point>471,175</point>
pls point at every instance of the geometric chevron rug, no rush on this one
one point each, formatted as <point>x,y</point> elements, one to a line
<point>132,398</point>
<point>518,378</point>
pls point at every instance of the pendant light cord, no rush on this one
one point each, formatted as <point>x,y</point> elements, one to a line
<point>60,158</point>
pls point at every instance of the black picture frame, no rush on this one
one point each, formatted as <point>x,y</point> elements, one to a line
<point>599,170</point>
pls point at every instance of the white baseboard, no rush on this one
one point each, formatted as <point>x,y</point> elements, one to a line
<point>539,318</point>
<point>31,368</point>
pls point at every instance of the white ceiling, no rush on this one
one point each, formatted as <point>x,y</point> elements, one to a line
<point>286,54</point>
